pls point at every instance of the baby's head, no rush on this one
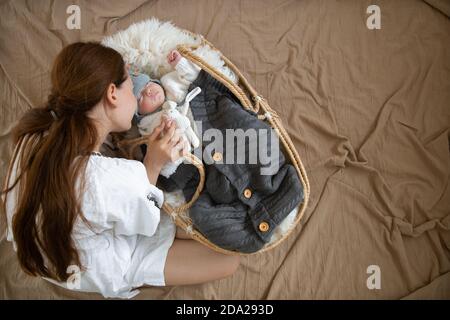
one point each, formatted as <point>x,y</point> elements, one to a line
<point>148,92</point>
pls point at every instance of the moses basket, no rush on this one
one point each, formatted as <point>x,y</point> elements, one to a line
<point>140,45</point>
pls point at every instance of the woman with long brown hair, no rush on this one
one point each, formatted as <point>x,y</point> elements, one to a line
<point>69,208</point>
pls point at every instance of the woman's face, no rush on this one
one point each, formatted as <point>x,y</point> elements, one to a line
<point>126,106</point>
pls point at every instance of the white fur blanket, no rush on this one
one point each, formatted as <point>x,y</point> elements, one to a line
<point>146,45</point>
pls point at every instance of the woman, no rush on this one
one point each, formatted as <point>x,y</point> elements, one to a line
<point>73,209</point>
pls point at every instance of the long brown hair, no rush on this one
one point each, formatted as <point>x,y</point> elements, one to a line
<point>54,142</point>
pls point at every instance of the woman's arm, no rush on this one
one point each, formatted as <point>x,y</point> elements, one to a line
<point>162,150</point>
<point>152,173</point>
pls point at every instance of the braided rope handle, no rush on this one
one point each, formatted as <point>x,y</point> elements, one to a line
<point>260,104</point>
<point>269,114</point>
<point>266,113</point>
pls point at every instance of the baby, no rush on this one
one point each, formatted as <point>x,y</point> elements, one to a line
<point>173,86</point>
<point>158,99</point>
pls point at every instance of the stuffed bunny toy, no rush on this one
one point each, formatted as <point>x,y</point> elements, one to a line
<point>172,111</point>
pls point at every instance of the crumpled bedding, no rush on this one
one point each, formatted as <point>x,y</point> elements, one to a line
<point>368,111</point>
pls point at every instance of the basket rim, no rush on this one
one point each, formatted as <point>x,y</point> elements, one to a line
<point>260,104</point>
<point>263,110</point>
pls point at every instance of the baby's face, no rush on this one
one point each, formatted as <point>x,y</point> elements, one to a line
<point>152,97</point>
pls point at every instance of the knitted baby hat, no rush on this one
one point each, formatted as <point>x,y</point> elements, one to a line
<point>140,80</point>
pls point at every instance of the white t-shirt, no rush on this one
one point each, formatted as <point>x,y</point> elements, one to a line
<point>128,239</point>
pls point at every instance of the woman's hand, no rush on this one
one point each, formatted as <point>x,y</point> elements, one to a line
<point>165,144</point>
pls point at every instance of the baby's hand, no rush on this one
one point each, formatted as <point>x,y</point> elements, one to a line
<point>173,58</point>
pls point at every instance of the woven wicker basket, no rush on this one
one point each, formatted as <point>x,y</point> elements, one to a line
<point>251,100</point>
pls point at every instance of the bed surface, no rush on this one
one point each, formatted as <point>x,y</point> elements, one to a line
<point>368,111</point>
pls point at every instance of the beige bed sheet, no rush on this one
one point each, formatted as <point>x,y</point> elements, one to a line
<point>368,111</point>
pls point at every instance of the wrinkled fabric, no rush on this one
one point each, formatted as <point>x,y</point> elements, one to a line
<point>367,110</point>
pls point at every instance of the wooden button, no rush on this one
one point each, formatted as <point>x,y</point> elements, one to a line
<point>247,193</point>
<point>217,156</point>
<point>263,226</point>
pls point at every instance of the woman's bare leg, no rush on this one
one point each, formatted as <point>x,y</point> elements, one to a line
<point>190,262</point>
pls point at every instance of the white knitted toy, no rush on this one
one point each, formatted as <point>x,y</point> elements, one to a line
<point>178,114</point>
